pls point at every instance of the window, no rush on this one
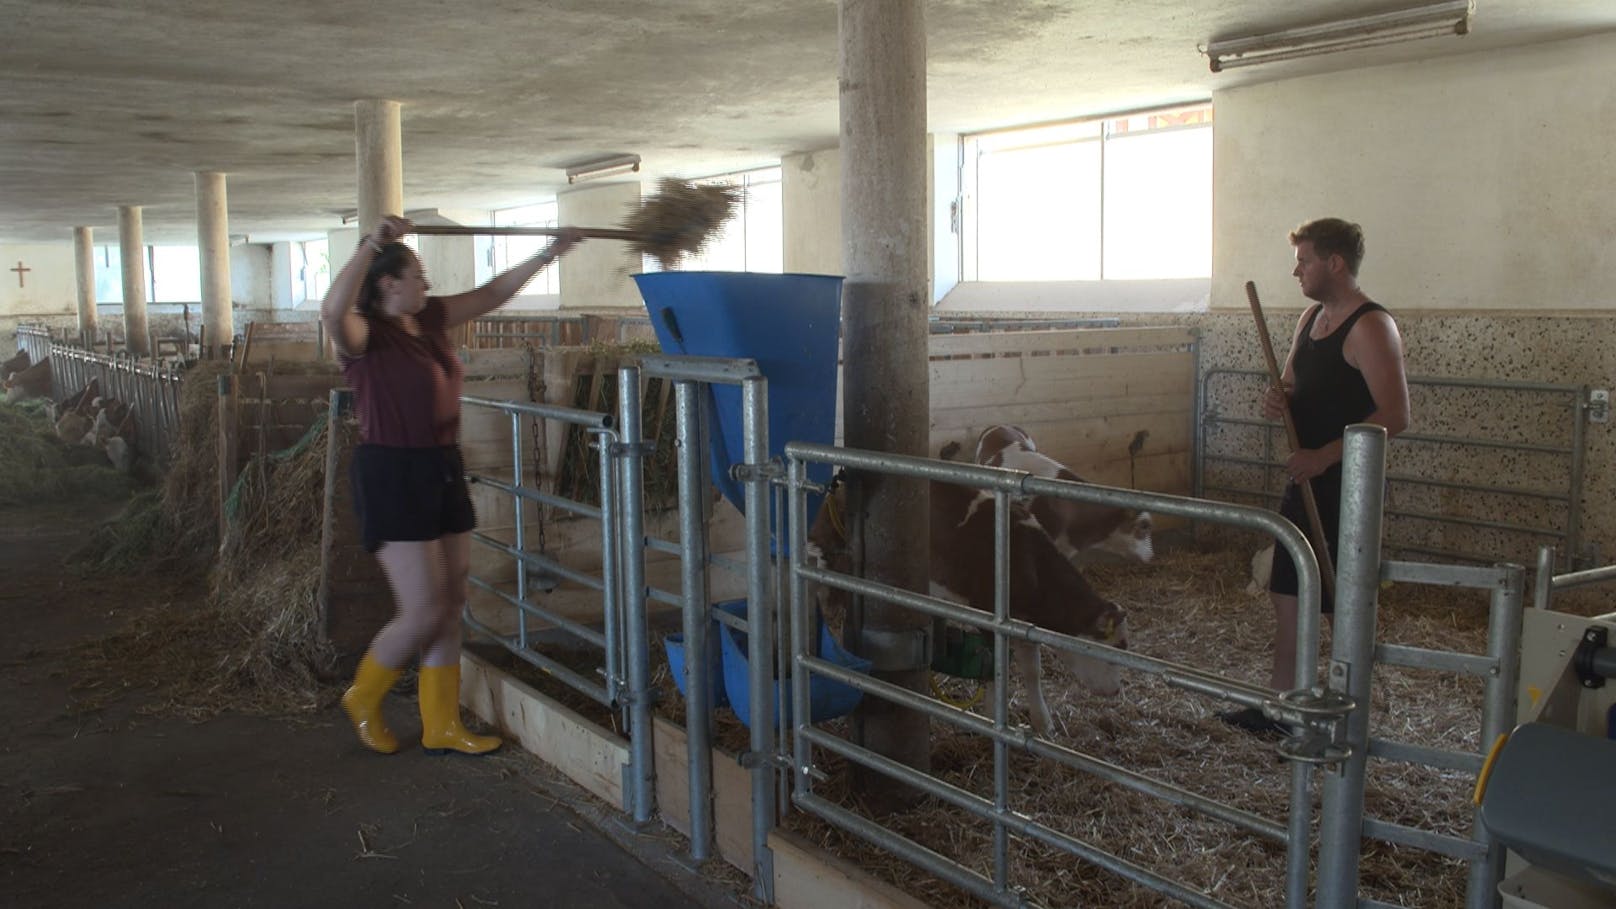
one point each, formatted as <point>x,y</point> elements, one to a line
<point>311,268</point>
<point>108,274</point>
<point>754,240</point>
<point>508,251</point>
<point>173,274</point>
<point>1119,198</point>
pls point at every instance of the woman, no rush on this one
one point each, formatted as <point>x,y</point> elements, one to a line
<point>409,486</point>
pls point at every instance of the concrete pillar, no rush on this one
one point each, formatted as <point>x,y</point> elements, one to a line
<point>132,249</point>
<point>379,150</point>
<point>84,270</point>
<point>886,393</point>
<point>213,251</point>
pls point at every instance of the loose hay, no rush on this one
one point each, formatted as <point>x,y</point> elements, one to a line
<point>255,644</point>
<point>36,466</point>
<point>680,218</point>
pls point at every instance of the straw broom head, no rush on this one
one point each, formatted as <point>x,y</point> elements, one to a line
<point>679,219</point>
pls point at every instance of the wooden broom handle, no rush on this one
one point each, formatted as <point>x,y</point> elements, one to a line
<point>588,233</point>
<point>1321,543</point>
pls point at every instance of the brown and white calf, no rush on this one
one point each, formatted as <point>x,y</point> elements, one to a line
<point>1046,589</point>
<point>1073,526</point>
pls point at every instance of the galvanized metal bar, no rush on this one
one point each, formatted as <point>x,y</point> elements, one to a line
<point>589,419</point>
<point>693,567</point>
<point>1481,577</point>
<point>611,561</point>
<point>1019,823</point>
<point>561,671</point>
<point>761,676</point>
<point>802,783</point>
<point>1579,429</point>
<point>1430,841</point>
<point>1543,579</point>
<point>1185,676</point>
<point>527,607</point>
<point>528,493</point>
<point>1584,578</point>
<point>1025,740</point>
<point>630,463</point>
<point>521,528</point>
<point>1497,718</point>
<point>1001,691</point>
<point>1507,526</point>
<point>541,562</point>
<point>1352,659</point>
<point>1444,660</point>
<point>1425,755</point>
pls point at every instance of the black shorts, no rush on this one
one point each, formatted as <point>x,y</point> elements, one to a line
<point>1327,492</point>
<point>409,494</point>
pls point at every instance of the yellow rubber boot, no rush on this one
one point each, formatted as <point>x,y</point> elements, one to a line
<point>441,730</point>
<point>363,701</point>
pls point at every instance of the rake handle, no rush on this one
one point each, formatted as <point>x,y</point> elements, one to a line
<point>588,233</point>
<point>1321,543</point>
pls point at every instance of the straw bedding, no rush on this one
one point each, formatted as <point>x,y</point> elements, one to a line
<point>680,218</point>
<point>252,641</point>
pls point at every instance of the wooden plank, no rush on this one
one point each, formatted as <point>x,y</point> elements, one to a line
<point>945,416</point>
<point>732,793</point>
<point>1095,339</point>
<point>807,877</point>
<point>1012,372</point>
<point>588,755</point>
<point>300,387</point>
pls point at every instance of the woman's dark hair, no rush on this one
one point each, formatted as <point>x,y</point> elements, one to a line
<point>390,262</point>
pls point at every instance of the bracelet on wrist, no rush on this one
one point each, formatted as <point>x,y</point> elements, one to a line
<point>374,246</point>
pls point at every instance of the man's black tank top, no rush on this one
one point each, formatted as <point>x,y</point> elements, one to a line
<point>1329,394</point>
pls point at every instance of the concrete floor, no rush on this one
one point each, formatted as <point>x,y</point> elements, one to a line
<point>114,808</point>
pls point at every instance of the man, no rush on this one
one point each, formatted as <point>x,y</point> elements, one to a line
<point>1345,366</point>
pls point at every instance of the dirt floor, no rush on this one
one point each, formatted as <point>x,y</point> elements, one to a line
<point>104,805</point>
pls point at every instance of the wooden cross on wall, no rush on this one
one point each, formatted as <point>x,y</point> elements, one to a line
<point>20,270</point>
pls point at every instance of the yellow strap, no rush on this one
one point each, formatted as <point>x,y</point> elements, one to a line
<point>1487,768</point>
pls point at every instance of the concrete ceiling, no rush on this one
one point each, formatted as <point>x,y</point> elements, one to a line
<point>118,102</point>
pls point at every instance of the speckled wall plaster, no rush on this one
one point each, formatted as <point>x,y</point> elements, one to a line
<point>1556,350</point>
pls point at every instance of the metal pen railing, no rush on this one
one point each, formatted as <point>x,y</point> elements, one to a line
<point>1226,443</point>
<point>151,389</point>
<point>1317,711</point>
<point>624,683</point>
<point>692,378</point>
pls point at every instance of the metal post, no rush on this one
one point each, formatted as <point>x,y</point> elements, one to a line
<point>642,767</point>
<point>1497,718</point>
<point>1543,581</point>
<point>1001,690</point>
<point>760,630</point>
<point>612,553</point>
<point>521,530</point>
<point>693,560</point>
<point>1579,426</point>
<point>802,749</point>
<point>1352,659</point>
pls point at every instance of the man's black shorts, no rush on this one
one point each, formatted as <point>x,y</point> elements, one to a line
<point>1327,492</point>
<point>410,494</point>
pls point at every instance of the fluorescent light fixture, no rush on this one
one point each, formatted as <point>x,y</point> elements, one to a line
<point>605,167</point>
<point>1432,20</point>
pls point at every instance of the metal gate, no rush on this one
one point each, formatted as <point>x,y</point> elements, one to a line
<point>1445,478</point>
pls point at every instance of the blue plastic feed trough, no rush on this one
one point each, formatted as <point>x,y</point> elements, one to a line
<point>674,645</point>
<point>827,698</point>
<point>789,324</point>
